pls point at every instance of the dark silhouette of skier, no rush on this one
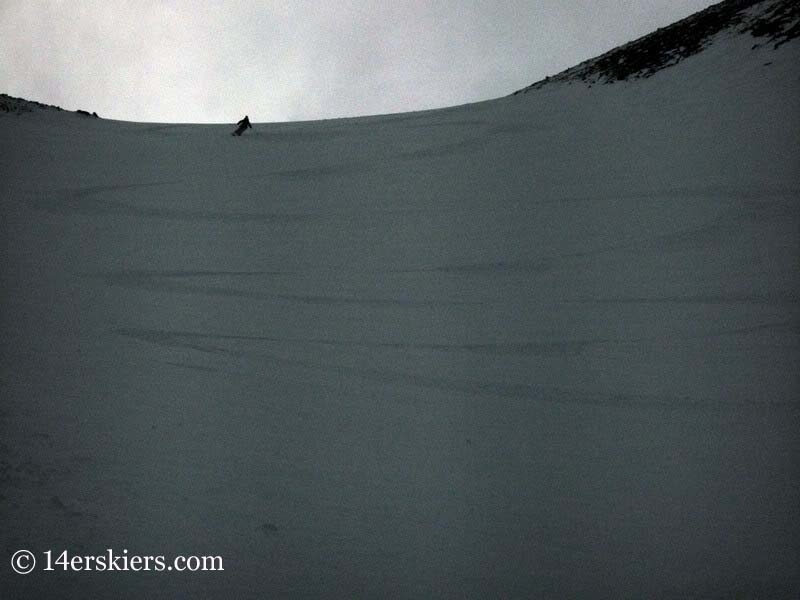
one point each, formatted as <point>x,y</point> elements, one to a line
<point>242,126</point>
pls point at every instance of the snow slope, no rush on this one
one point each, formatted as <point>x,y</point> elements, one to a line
<point>541,346</point>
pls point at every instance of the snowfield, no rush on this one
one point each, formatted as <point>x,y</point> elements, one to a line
<point>540,346</point>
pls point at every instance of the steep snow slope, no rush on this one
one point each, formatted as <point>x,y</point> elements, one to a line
<point>543,346</point>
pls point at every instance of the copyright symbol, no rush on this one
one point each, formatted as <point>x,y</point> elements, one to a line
<point>23,561</point>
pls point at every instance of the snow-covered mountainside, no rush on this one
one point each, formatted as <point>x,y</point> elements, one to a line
<point>774,22</point>
<point>18,106</point>
<point>544,346</point>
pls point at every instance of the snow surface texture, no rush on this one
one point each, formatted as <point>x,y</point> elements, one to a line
<point>542,346</point>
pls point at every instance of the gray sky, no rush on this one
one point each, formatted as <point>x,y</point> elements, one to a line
<point>204,61</point>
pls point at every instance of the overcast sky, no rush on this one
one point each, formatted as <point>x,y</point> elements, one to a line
<point>201,62</point>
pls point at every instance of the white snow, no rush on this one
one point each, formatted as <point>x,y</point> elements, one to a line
<point>541,346</point>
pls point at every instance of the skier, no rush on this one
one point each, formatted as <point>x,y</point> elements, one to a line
<point>242,126</point>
